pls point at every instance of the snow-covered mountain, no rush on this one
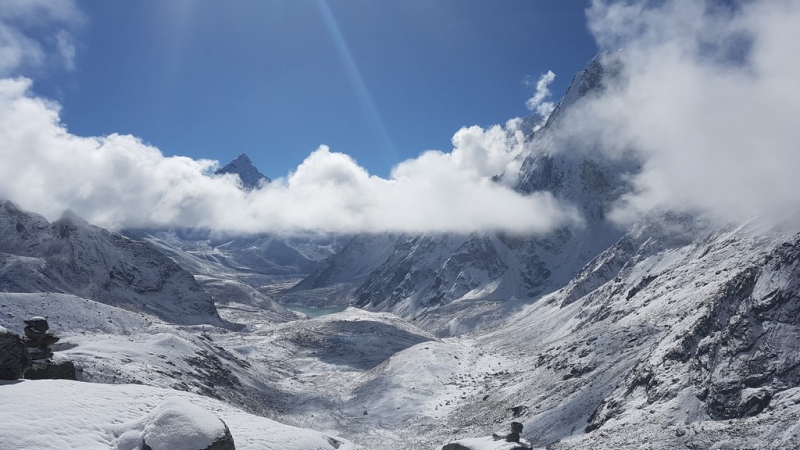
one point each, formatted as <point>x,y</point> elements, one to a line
<point>673,333</point>
<point>74,257</point>
<point>248,173</point>
<point>451,284</point>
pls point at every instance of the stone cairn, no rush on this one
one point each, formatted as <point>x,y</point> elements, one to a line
<point>516,429</point>
<point>38,339</point>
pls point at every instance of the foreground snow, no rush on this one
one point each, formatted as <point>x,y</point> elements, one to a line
<point>59,414</point>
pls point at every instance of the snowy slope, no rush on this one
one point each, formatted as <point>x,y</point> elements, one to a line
<point>72,256</point>
<point>678,336</point>
<point>59,414</point>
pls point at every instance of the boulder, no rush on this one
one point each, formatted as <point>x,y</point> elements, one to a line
<point>455,446</point>
<point>224,442</point>
<point>14,358</point>
<point>178,424</point>
<point>59,367</point>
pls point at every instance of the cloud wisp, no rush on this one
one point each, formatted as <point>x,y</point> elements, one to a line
<point>117,181</point>
<point>708,96</point>
<point>34,34</point>
<point>538,103</point>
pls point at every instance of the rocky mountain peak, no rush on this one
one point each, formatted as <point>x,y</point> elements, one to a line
<point>247,171</point>
<point>594,78</point>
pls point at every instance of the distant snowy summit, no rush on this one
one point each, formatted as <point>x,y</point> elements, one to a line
<point>247,171</point>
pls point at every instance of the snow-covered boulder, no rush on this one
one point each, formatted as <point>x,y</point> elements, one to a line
<point>176,424</point>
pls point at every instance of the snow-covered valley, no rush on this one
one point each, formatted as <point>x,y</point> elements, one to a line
<point>677,335</point>
<point>673,332</point>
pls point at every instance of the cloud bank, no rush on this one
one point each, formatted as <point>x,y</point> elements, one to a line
<point>118,181</point>
<point>709,96</point>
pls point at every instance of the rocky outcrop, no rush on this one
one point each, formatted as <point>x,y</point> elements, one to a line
<point>58,367</point>
<point>736,354</point>
<point>14,357</point>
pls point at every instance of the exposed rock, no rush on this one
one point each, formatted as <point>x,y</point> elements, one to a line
<point>13,356</point>
<point>455,446</point>
<point>223,442</point>
<point>59,367</point>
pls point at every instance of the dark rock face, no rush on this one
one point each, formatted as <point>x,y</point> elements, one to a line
<point>13,356</point>
<point>58,369</point>
<point>735,356</point>
<point>223,442</point>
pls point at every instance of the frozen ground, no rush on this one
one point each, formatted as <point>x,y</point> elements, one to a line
<point>59,414</point>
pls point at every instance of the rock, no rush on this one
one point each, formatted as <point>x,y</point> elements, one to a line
<point>222,443</point>
<point>455,446</point>
<point>57,368</point>
<point>519,410</point>
<point>14,357</point>
<point>37,338</point>
<point>178,424</point>
<point>38,323</point>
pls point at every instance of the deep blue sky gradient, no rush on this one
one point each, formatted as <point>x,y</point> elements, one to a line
<point>212,79</point>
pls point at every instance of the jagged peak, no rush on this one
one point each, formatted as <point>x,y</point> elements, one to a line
<point>71,217</point>
<point>592,79</point>
<point>246,170</point>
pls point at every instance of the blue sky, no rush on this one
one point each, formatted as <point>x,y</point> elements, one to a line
<point>381,81</point>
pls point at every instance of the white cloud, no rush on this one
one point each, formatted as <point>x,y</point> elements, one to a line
<point>537,103</point>
<point>117,181</point>
<point>708,96</point>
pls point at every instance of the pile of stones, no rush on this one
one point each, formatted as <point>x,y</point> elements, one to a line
<point>31,357</point>
<point>38,339</point>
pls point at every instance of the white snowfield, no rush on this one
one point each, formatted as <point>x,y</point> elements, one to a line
<point>60,414</point>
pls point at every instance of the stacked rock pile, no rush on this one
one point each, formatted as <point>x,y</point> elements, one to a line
<point>31,357</point>
<point>38,339</point>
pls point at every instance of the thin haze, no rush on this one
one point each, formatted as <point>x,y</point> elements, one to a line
<point>706,97</point>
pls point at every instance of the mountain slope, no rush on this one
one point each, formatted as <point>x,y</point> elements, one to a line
<point>451,284</point>
<point>72,256</point>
